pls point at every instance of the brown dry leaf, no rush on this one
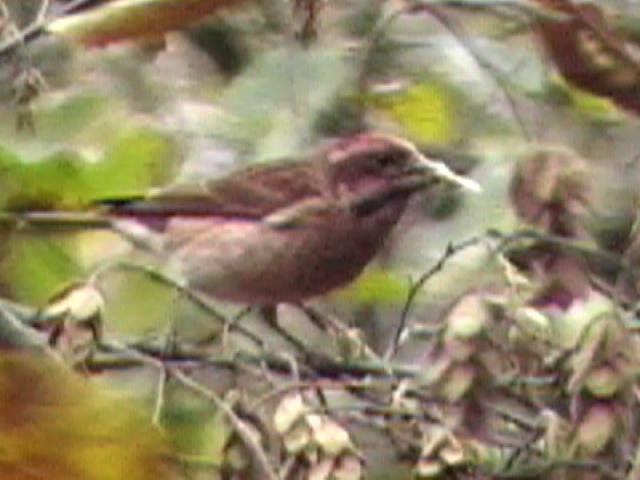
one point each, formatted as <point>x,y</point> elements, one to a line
<point>550,189</point>
<point>589,54</point>
<point>441,449</point>
<point>469,317</point>
<point>73,321</point>
<point>122,20</point>
<point>596,429</point>
<point>289,411</point>
<point>329,435</point>
<point>605,359</point>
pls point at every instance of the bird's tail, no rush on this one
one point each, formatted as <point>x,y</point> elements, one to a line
<point>70,221</point>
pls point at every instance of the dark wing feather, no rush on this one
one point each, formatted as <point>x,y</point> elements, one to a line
<point>252,193</point>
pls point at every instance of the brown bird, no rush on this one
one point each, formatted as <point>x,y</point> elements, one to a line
<point>284,232</point>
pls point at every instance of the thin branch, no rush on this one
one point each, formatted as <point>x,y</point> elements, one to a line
<point>77,5</point>
<point>15,333</point>
<point>42,11</point>
<point>238,425</point>
<point>38,26</point>
<point>540,469</point>
<point>339,385</point>
<point>156,417</point>
<point>194,297</point>
<point>315,365</point>
<point>177,374</point>
<point>415,288</point>
<point>509,240</point>
<point>54,219</point>
<point>29,32</point>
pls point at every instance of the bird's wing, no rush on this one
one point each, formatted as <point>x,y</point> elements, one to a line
<point>254,193</point>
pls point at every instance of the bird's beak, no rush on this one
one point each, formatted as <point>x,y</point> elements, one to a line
<point>438,169</point>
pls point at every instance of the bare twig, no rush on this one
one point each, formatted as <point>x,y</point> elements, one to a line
<point>282,390</point>
<point>238,425</point>
<point>511,239</point>
<point>160,396</point>
<point>39,24</point>
<point>42,11</point>
<point>414,289</point>
<point>15,333</point>
<point>315,365</point>
<point>540,469</point>
<point>197,299</point>
<point>177,374</point>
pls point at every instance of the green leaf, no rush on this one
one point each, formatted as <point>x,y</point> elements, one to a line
<point>38,265</point>
<point>196,429</point>
<point>583,103</point>
<point>378,286</point>
<point>273,106</point>
<point>68,116</point>
<point>133,164</point>
<point>66,180</point>
<point>425,111</point>
<point>54,181</point>
<point>43,261</point>
<point>138,305</point>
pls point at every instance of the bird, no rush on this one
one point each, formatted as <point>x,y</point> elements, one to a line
<point>284,232</point>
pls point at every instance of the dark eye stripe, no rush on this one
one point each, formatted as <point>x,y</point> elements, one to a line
<point>384,160</point>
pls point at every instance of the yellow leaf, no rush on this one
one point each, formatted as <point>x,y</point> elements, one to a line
<point>57,425</point>
<point>425,110</point>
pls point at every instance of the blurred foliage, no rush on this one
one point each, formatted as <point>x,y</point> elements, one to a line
<point>60,426</point>
<point>37,266</point>
<point>583,103</point>
<point>197,431</point>
<point>142,306</point>
<point>377,286</point>
<point>40,262</point>
<point>518,356</point>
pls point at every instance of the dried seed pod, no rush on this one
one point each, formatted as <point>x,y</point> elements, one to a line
<point>468,317</point>
<point>73,321</point>
<point>441,450</point>
<point>457,382</point>
<point>550,189</point>
<point>596,429</point>
<point>604,381</point>
<point>318,447</point>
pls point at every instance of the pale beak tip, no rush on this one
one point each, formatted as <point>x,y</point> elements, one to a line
<point>444,172</point>
<point>470,184</point>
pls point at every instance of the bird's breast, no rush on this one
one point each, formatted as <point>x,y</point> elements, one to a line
<point>249,261</point>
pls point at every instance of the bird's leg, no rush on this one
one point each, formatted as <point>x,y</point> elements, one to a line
<point>270,315</point>
<point>320,321</point>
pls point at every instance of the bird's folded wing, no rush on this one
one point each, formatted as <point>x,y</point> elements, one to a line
<point>305,212</point>
<point>252,194</point>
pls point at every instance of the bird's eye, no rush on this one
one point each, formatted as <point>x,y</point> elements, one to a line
<point>384,161</point>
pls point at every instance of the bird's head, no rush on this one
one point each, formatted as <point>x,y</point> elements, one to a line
<point>372,161</point>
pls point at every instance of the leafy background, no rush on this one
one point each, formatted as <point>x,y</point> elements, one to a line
<point>130,95</point>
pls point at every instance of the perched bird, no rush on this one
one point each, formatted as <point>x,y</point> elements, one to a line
<point>284,232</point>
